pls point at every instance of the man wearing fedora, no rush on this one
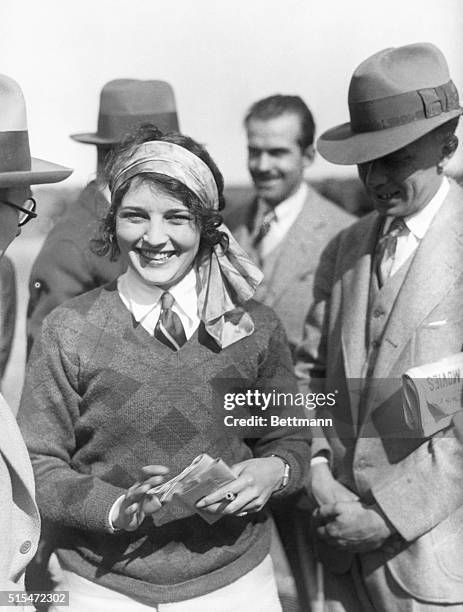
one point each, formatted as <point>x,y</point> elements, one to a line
<point>66,266</point>
<point>19,517</point>
<point>388,295</point>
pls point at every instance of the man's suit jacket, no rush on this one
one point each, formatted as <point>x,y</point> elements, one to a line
<point>289,290</point>
<point>65,266</point>
<point>19,517</point>
<point>8,300</point>
<point>417,482</point>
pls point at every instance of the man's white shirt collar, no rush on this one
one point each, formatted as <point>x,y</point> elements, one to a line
<point>292,206</point>
<point>144,302</point>
<point>418,223</point>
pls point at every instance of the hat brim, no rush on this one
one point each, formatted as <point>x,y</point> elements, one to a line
<point>340,145</point>
<point>94,139</point>
<point>41,172</point>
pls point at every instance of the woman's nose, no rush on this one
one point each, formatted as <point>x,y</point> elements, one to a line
<point>156,233</point>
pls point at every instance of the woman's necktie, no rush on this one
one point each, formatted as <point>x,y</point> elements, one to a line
<point>169,329</point>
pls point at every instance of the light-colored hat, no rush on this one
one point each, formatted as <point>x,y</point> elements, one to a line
<point>16,165</point>
<point>395,97</point>
<point>127,103</point>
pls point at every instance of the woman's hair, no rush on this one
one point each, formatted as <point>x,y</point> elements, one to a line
<point>207,220</point>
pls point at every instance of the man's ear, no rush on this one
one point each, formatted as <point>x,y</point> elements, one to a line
<point>308,155</point>
<point>447,152</point>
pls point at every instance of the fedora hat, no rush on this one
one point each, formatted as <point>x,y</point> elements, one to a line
<point>395,97</point>
<point>17,167</point>
<point>127,103</point>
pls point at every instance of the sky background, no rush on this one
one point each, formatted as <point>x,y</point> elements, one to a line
<point>219,56</point>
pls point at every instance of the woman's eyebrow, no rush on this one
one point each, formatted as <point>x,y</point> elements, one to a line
<point>177,210</point>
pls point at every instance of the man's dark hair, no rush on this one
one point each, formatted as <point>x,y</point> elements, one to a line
<point>277,105</point>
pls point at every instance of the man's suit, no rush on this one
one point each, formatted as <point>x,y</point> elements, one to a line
<point>8,299</point>
<point>19,517</point>
<point>66,267</point>
<point>287,287</point>
<point>417,483</point>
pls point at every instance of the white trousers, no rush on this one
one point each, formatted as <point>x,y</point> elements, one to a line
<point>254,592</point>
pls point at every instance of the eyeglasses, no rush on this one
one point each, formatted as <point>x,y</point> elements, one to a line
<point>26,211</point>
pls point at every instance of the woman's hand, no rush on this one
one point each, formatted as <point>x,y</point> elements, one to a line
<point>131,510</point>
<point>256,480</point>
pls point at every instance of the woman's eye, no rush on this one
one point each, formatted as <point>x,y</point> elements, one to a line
<point>181,218</point>
<point>132,215</point>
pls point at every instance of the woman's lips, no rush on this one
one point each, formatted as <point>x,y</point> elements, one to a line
<point>155,257</point>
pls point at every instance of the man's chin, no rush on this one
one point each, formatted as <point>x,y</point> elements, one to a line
<point>271,196</point>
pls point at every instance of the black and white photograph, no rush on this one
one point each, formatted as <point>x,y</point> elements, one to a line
<point>231,306</point>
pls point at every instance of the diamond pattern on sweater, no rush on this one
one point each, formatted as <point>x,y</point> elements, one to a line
<point>123,388</point>
<point>173,432</point>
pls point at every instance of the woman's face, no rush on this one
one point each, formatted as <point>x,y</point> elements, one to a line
<point>157,234</point>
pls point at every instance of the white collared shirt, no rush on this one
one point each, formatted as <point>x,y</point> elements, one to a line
<point>144,302</point>
<point>417,225</point>
<point>286,213</point>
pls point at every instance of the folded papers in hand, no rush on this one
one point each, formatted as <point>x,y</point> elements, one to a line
<point>432,394</point>
<point>203,476</point>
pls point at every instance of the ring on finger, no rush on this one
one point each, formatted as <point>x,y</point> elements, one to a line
<point>230,496</point>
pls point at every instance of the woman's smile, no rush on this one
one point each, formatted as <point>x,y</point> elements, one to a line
<point>155,258</point>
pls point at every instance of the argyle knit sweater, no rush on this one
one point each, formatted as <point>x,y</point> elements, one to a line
<point>103,398</point>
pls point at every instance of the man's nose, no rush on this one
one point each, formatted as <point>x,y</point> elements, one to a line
<point>263,162</point>
<point>374,173</point>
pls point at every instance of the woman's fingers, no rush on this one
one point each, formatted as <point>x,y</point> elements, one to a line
<point>148,471</point>
<point>232,498</point>
<point>150,504</point>
<point>228,492</point>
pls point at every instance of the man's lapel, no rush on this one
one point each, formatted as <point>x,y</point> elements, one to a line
<point>435,267</point>
<point>13,450</point>
<point>355,295</point>
<point>244,232</point>
<point>304,238</point>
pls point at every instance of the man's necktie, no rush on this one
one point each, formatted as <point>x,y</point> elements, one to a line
<point>169,328</point>
<point>263,229</point>
<point>386,248</point>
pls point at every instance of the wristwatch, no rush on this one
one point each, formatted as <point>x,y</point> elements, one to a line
<point>286,474</point>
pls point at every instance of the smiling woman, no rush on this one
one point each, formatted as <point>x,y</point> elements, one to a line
<point>132,377</point>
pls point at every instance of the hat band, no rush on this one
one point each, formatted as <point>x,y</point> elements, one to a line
<point>16,156</point>
<point>393,111</point>
<point>113,127</point>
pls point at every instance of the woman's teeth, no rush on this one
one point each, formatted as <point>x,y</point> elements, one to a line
<point>157,257</point>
